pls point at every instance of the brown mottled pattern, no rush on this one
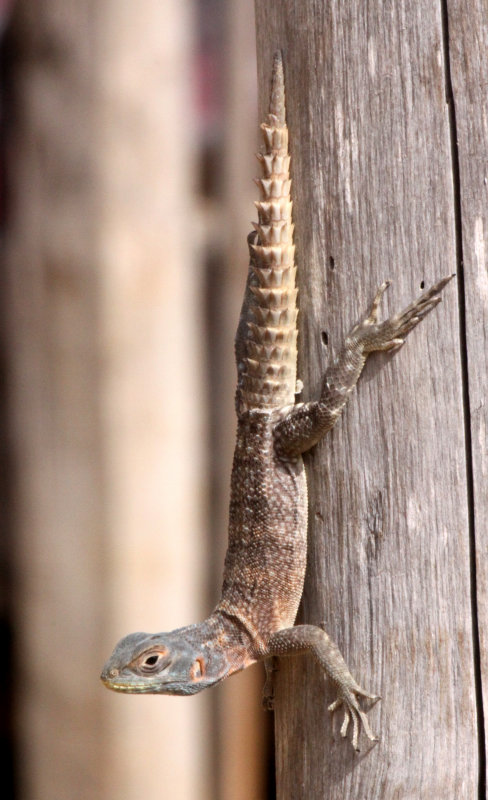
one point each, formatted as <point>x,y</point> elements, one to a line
<point>266,556</point>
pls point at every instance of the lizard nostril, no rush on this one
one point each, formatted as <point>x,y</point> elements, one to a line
<point>113,673</point>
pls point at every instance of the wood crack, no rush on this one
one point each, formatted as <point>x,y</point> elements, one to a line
<point>456,183</point>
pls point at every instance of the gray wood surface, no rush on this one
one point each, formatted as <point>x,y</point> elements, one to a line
<point>389,554</point>
<point>468,49</point>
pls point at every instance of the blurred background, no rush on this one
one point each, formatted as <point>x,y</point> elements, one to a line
<point>128,131</point>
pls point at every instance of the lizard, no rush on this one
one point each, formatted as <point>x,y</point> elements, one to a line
<point>265,563</point>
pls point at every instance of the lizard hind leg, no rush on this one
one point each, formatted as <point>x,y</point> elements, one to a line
<point>305,424</point>
<point>312,639</point>
<point>370,335</point>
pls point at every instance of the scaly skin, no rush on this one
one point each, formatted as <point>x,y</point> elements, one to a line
<point>265,562</point>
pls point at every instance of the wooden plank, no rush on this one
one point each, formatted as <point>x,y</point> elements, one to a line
<point>104,329</point>
<point>468,46</point>
<point>389,565</point>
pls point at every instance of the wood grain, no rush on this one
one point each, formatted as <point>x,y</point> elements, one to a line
<point>468,48</point>
<point>389,553</point>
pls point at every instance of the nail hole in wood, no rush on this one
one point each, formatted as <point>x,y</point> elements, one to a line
<point>331,262</point>
<point>422,284</point>
<point>325,338</point>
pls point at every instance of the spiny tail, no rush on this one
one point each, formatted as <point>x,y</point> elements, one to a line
<point>267,335</point>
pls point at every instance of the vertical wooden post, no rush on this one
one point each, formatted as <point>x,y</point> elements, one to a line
<point>104,331</point>
<point>389,556</point>
<point>467,42</point>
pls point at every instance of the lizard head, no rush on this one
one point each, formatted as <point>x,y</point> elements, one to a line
<point>160,663</point>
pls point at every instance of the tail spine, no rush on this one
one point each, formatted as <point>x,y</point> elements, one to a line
<point>268,376</point>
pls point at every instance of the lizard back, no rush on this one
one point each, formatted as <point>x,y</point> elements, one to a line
<point>266,556</point>
<point>266,343</point>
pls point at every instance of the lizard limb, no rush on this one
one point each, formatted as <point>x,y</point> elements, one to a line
<point>305,425</point>
<point>310,638</point>
<point>271,666</point>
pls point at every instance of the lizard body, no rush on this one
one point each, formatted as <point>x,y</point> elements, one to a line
<point>266,557</point>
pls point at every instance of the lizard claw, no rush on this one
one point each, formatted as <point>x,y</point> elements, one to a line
<point>373,311</point>
<point>268,697</point>
<point>353,711</point>
<point>390,334</point>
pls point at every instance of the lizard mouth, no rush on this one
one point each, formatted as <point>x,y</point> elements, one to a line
<point>128,688</point>
<point>182,689</point>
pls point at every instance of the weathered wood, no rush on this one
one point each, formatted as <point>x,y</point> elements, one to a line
<point>468,48</point>
<point>105,370</point>
<point>389,560</point>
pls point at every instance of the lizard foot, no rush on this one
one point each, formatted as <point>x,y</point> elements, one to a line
<point>301,638</point>
<point>352,711</point>
<point>268,697</point>
<point>372,335</point>
<point>267,700</point>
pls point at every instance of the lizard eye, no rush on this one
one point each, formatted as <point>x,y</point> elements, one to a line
<point>150,662</point>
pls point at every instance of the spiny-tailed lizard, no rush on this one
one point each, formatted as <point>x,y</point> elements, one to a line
<point>265,562</point>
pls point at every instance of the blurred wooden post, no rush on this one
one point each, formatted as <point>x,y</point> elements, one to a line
<point>376,195</point>
<point>106,391</point>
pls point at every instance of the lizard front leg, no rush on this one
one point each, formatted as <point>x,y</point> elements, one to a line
<point>310,638</point>
<point>305,425</point>
<point>270,666</point>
